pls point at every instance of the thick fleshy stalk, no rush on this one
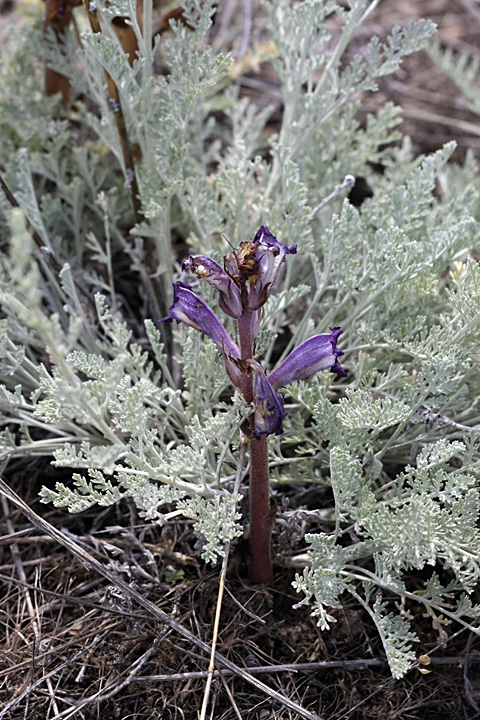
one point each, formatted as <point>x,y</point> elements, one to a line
<point>261,515</point>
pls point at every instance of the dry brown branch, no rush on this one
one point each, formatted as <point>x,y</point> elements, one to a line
<point>119,120</point>
<point>347,665</point>
<point>58,15</point>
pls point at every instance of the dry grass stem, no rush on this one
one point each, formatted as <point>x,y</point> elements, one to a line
<point>223,572</point>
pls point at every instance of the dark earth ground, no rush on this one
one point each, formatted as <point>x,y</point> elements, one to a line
<point>68,634</point>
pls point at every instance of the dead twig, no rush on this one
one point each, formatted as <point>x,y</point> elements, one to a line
<point>270,669</point>
<point>347,184</point>
<point>346,665</point>
<point>246,29</point>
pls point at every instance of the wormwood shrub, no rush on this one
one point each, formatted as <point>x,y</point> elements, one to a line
<point>146,411</point>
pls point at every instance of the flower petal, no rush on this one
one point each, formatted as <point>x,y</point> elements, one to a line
<point>191,310</point>
<point>270,255</point>
<point>318,353</point>
<point>268,404</point>
<point>207,269</point>
<point>264,238</point>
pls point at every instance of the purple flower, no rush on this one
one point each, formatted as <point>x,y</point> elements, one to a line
<point>254,267</point>
<point>207,269</point>
<point>268,404</point>
<point>194,312</point>
<point>318,353</point>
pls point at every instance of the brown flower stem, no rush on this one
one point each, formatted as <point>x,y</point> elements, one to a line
<point>119,121</point>
<point>261,515</point>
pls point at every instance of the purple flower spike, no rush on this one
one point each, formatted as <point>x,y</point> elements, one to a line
<point>268,404</point>
<point>318,353</point>
<point>191,310</point>
<point>207,269</point>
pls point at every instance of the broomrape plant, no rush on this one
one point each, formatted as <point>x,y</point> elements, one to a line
<point>144,411</point>
<point>244,285</point>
